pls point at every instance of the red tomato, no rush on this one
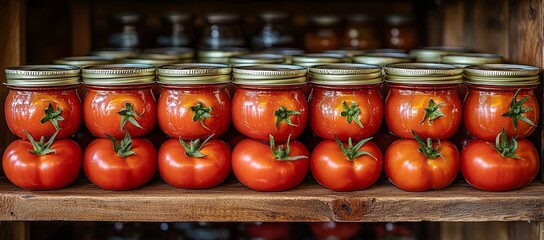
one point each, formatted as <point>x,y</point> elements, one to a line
<point>483,166</point>
<point>194,165</point>
<point>113,112</point>
<point>194,113</point>
<point>54,165</point>
<point>335,230</point>
<point>344,167</point>
<point>488,111</point>
<point>259,168</point>
<point>120,166</point>
<point>261,113</point>
<point>413,165</point>
<point>267,231</point>
<point>42,113</point>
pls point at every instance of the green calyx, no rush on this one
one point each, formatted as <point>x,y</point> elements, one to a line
<point>432,112</point>
<point>281,153</point>
<point>282,114</point>
<point>426,148</point>
<point>41,147</point>
<point>352,113</point>
<point>122,148</point>
<point>200,113</point>
<point>516,110</point>
<point>506,147</point>
<point>352,152</point>
<point>53,116</point>
<point>129,115</point>
<point>194,147</point>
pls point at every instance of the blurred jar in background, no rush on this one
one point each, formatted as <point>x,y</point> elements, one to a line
<point>221,55</point>
<point>335,230</point>
<point>161,231</point>
<point>324,33</point>
<point>396,231</point>
<point>209,231</point>
<point>361,32</point>
<point>400,32</point>
<point>266,231</point>
<point>185,55</point>
<point>118,54</point>
<point>120,230</point>
<point>222,30</point>
<point>175,30</point>
<point>273,31</point>
<point>288,53</point>
<point>125,30</point>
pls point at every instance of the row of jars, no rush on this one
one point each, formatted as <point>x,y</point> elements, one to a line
<point>274,29</point>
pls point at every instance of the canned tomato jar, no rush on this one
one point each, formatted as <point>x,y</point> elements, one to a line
<point>423,98</point>
<point>345,100</point>
<point>269,101</point>
<point>42,100</point>
<point>119,100</point>
<point>194,101</point>
<point>501,96</point>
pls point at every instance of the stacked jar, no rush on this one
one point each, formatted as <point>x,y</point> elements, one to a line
<point>500,111</point>
<point>43,109</point>
<point>269,107</point>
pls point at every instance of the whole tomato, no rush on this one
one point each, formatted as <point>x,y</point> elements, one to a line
<point>123,165</point>
<point>508,165</point>
<point>260,113</point>
<point>414,165</point>
<point>432,113</point>
<point>345,167</point>
<point>487,112</point>
<point>194,113</point>
<point>43,113</point>
<point>194,165</point>
<point>42,165</point>
<point>266,168</point>
<point>335,230</point>
<point>113,112</point>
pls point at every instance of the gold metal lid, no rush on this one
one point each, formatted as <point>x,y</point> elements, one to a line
<point>471,59</point>
<point>382,59</point>
<point>284,51</point>
<point>219,55</point>
<point>84,61</point>
<point>502,75</point>
<point>345,74</point>
<point>384,50</point>
<point>256,58</point>
<point>118,74</point>
<point>348,52</point>
<point>434,54</point>
<point>42,75</point>
<point>116,53</point>
<point>179,52</point>
<point>312,59</point>
<point>423,73</point>
<point>154,59</point>
<point>270,75</point>
<point>194,73</point>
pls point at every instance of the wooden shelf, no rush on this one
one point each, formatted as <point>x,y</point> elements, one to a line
<point>157,201</point>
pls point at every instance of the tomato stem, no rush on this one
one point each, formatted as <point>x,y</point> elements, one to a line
<point>200,113</point>
<point>53,116</point>
<point>194,147</point>
<point>352,113</point>
<point>283,114</point>
<point>426,148</point>
<point>122,148</point>
<point>352,152</point>
<point>432,112</point>
<point>129,115</point>
<point>41,147</point>
<point>281,153</point>
<point>506,147</point>
<point>516,110</point>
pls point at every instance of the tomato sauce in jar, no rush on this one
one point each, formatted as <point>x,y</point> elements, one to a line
<point>423,98</point>
<point>119,100</point>
<point>269,101</point>
<point>42,100</point>
<point>194,101</point>
<point>345,101</point>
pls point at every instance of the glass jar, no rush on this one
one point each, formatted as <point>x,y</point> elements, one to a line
<point>219,55</point>
<point>194,101</point>
<point>423,98</point>
<point>125,30</point>
<point>153,59</point>
<point>118,54</point>
<point>324,33</point>
<point>84,61</point>
<point>345,101</point>
<point>434,54</point>
<point>273,31</point>
<point>312,59</point>
<point>269,101</point>
<point>119,100</point>
<point>493,89</point>
<point>335,230</point>
<point>184,55</point>
<point>255,59</point>
<point>222,30</point>
<point>42,100</point>
<point>287,53</point>
<point>349,52</point>
<point>400,32</point>
<point>175,30</point>
<point>382,59</point>
<point>361,32</point>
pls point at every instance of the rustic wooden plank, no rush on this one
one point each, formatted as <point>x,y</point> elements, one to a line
<point>231,201</point>
<point>81,27</point>
<point>453,29</point>
<point>486,26</point>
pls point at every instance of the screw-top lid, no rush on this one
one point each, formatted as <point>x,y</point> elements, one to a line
<point>42,75</point>
<point>348,52</point>
<point>84,61</point>
<point>179,52</point>
<point>434,54</point>
<point>256,58</point>
<point>345,74</point>
<point>382,59</point>
<point>116,53</point>
<point>118,74</point>
<point>312,59</point>
<point>284,51</point>
<point>194,73</point>
<point>423,73</point>
<point>154,59</point>
<point>471,59</point>
<point>219,55</point>
<point>502,75</point>
<point>270,75</point>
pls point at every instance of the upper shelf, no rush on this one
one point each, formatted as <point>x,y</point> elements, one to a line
<point>231,201</point>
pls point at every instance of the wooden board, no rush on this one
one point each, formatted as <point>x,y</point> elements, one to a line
<point>231,201</point>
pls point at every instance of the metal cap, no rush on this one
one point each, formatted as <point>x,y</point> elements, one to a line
<point>154,59</point>
<point>471,59</point>
<point>256,58</point>
<point>194,73</point>
<point>84,61</point>
<point>42,75</point>
<point>423,73</point>
<point>116,53</point>
<point>382,59</point>
<point>270,75</point>
<point>348,52</point>
<point>118,74</point>
<point>345,74</point>
<point>284,51</point>
<point>434,54</point>
<point>179,52</point>
<point>312,59</point>
<point>502,75</point>
<point>219,55</point>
